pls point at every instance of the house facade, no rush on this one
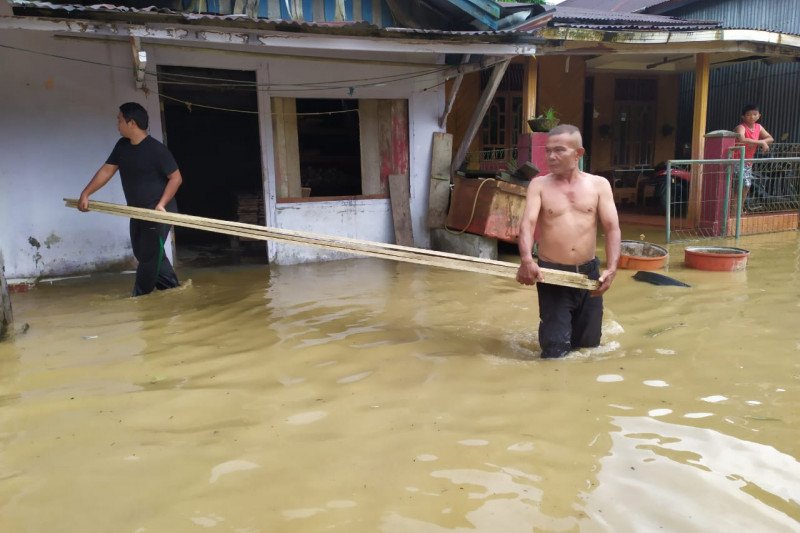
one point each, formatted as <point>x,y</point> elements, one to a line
<point>298,119</point>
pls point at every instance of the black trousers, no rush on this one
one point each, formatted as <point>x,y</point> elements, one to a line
<point>569,318</point>
<point>154,270</point>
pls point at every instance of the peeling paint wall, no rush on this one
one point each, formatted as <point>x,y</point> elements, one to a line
<point>58,125</point>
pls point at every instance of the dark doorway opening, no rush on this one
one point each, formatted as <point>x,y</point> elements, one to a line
<point>210,119</point>
<point>329,145</point>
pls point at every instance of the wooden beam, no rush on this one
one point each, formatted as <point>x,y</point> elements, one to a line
<point>529,92</point>
<point>139,62</point>
<point>381,250</point>
<point>480,110</point>
<point>370,147</point>
<point>453,92</point>
<point>701,78</point>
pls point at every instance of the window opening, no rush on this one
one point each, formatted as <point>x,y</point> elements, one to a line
<point>329,147</point>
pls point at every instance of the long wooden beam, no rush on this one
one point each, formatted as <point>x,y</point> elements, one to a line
<point>395,252</point>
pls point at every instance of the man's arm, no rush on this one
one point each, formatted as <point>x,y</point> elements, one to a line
<point>609,219</point>
<point>97,182</point>
<point>174,181</point>
<point>528,272</point>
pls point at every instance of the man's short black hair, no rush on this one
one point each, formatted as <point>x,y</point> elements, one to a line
<point>135,112</point>
<point>749,107</point>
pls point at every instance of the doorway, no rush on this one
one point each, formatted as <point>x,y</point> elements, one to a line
<point>210,121</point>
<point>634,124</point>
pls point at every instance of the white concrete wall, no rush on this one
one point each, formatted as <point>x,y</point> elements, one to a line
<point>367,220</point>
<point>58,124</point>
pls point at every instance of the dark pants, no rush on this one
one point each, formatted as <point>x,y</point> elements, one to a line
<point>569,318</point>
<point>154,270</point>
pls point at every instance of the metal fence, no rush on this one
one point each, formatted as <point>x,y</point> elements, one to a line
<point>711,198</point>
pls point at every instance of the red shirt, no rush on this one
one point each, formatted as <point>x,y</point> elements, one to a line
<point>754,134</point>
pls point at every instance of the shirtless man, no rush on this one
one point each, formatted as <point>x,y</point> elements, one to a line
<point>566,204</point>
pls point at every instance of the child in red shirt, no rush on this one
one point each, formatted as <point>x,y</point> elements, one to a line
<point>752,136</point>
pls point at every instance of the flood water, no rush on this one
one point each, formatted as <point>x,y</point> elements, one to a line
<point>370,396</point>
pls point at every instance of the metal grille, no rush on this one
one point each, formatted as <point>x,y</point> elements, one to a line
<point>735,196</point>
<point>492,160</point>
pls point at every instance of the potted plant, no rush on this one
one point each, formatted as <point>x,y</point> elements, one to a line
<point>544,122</point>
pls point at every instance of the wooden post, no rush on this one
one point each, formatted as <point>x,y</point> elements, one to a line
<point>477,117</point>
<point>6,318</point>
<point>439,198</point>
<point>701,77</point>
<point>287,151</point>
<point>529,88</point>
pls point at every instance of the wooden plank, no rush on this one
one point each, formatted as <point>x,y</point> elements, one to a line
<point>370,148</point>
<point>343,244</point>
<point>439,197</point>
<point>701,79</point>
<point>480,110</point>
<point>399,192</point>
<point>399,139</point>
<point>6,317</point>
<point>287,149</point>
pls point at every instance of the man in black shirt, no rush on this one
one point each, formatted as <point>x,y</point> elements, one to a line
<point>150,179</point>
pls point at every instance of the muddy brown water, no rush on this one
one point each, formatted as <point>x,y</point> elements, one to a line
<point>364,395</point>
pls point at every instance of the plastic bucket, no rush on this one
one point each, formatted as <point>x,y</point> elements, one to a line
<point>641,255</point>
<point>717,258</point>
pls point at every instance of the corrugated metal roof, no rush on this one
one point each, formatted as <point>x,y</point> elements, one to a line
<point>565,14</point>
<point>350,28</point>
<point>629,6</point>
<point>608,20</point>
<point>782,15</point>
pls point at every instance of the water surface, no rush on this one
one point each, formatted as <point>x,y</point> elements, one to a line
<point>365,395</point>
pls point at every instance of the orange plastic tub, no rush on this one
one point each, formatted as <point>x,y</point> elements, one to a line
<point>717,258</point>
<point>641,255</point>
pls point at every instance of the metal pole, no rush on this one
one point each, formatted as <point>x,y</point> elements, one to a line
<point>725,207</point>
<point>668,193</point>
<point>739,199</point>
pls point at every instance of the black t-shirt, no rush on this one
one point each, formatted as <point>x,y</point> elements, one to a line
<point>144,168</point>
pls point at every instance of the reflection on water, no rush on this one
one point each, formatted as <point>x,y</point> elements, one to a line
<point>370,396</point>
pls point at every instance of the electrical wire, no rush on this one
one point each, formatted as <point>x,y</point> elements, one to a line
<point>190,105</point>
<point>306,86</point>
<point>230,83</point>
